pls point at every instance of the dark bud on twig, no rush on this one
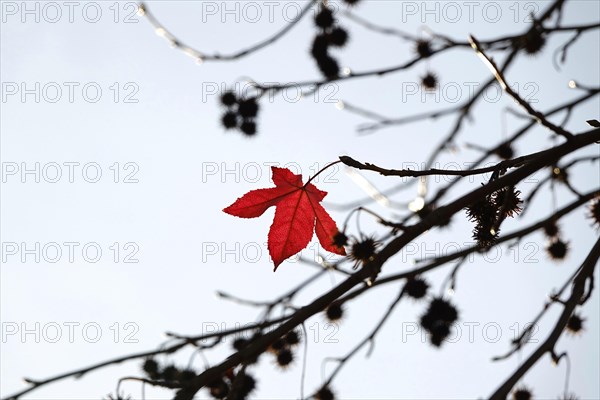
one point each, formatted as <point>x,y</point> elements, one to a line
<point>593,122</point>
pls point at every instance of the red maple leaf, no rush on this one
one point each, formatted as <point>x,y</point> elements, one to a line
<point>298,211</point>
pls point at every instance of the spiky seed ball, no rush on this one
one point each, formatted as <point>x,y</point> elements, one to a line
<point>324,394</point>
<point>551,229</point>
<point>437,320</point>
<point>170,373</point>
<point>320,46</point>
<point>328,66</point>
<point>334,312</point>
<point>442,310</point>
<point>338,37</point>
<point>505,151</point>
<point>423,48</point>
<point>150,367</point>
<point>416,287</point>
<point>521,394</point>
<point>595,212</point>
<point>483,210</point>
<point>324,19</point>
<point>228,99</point>
<point>340,239</point>
<point>292,338</point>
<point>575,324</point>
<point>285,357</point>
<point>429,81</point>
<point>485,235</point>
<point>363,250</point>
<point>428,321</point>
<point>558,249</point>
<point>248,128</point>
<point>248,108</point>
<point>248,385</point>
<point>533,41</point>
<point>510,200</point>
<point>229,120</point>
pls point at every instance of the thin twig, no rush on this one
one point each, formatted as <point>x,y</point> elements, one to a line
<point>499,75</point>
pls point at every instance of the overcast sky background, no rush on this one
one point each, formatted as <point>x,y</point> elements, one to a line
<point>168,169</point>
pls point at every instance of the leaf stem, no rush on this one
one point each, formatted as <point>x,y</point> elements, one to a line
<point>321,170</point>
